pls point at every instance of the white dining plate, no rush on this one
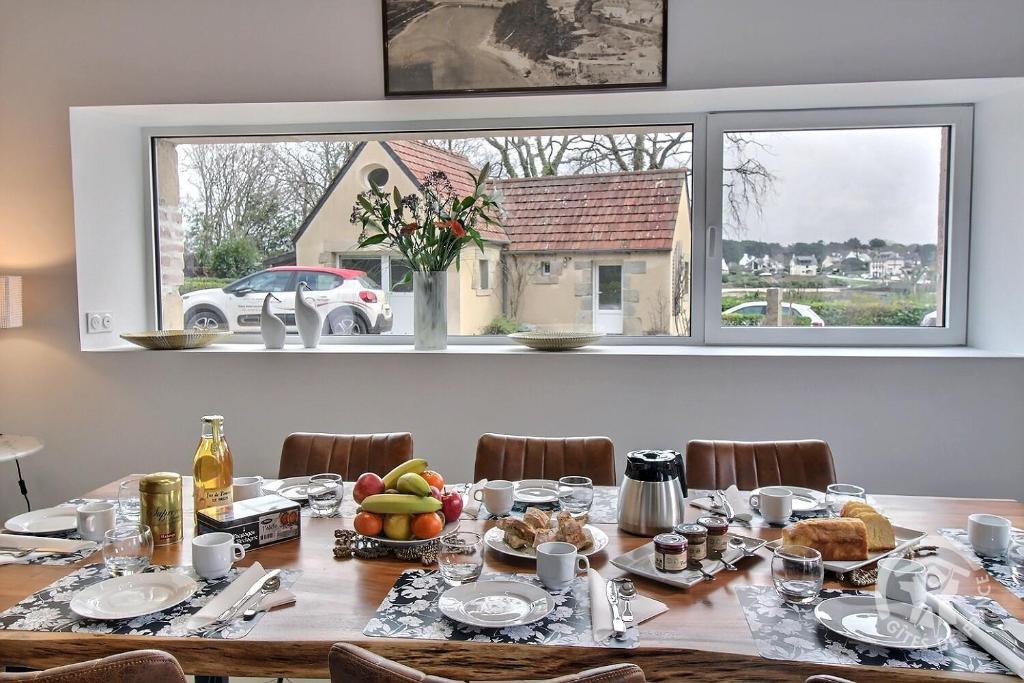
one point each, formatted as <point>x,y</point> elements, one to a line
<point>46,521</point>
<point>449,528</point>
<point>536,491</point>
<point>127,597</point>
<point>292,488</point>
<point>804,499</point>
<point>877,621</point>
<point>496,604</point>
<point>640,561</point>
<point>495,540</point>
<point>904,539</point>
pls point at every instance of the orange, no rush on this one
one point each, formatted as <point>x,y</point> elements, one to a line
<point>426,525</point>
<point>434,479</point>
<point>368,524</point>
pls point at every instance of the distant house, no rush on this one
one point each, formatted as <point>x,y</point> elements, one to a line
<point>803,265</point>
<point>759,265</point>
<point>887,265</point>
<point>594,252</point>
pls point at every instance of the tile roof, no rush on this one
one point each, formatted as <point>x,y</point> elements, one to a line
<point>622,211</point>
<point>421,159</point>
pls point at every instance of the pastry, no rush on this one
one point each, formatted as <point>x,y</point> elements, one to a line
<point>880,532</point>
<point>836,539</point>
<point>518,528</point>
<point>544,536</point>
<point>537,518</point>
<point>852,505</point>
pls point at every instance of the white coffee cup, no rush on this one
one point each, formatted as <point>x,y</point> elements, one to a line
<point>558,564</point>
<point>989,534</point>
<point>906,581</point>
<point>498,496</point>
<point>213,554</point>
<point>95,520</point>
<point>244,488</point>
<point>775,503</point>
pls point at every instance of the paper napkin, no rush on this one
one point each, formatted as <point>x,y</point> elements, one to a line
<point>643,608</point>
<point>740,504</point>
<point>471,506</point>
<point>986,642</point>
<point>215,607</point>
<point>62,545</point>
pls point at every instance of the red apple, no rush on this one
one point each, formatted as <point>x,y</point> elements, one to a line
<point>436,493</point>
<point>451,506</point>
<point>368,484</point>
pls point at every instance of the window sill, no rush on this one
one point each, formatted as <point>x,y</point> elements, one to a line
<point>468,349</point>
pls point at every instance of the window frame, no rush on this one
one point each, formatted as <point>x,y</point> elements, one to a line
<point>960,120</point>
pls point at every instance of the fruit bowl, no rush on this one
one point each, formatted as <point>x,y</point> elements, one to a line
<point>449,528</point>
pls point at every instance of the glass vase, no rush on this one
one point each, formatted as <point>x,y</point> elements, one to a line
<point>430,310</point>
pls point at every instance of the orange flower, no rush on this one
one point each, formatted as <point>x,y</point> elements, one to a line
<point>455,226</point>
<point>410,228</point>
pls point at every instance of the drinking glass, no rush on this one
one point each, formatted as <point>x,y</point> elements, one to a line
<point>838,495</point>
<point>127,549</point>
<point>325,492</point>
<point>1015,560</point>
<point>575,494</point>
<point>797,572</point>
<point>129,505</point>
<point>461,557</point>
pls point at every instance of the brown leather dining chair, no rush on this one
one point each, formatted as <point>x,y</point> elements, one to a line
<point>532,457</point>
<point>346,454</point>
<point>750,465</point>
<point>351,664</point>
<point>141,666</point>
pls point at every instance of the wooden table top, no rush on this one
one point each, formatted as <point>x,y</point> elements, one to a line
<point>703,636</point>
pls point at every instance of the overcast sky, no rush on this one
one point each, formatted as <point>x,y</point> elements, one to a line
<point>833,185</point>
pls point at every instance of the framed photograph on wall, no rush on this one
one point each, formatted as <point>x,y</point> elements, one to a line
<point>435,47</point>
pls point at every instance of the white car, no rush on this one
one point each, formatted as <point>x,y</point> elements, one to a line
<point>351,302</point>
<point>791,310</point>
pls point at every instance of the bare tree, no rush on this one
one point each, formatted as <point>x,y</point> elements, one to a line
<point>680,291</point>
<point>516,272</point>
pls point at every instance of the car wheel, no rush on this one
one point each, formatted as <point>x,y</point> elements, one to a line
<point>205,319</point>
<point>345,322</point>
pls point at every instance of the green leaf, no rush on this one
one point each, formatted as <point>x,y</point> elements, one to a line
<point>398,197</point>
<point>372,240</point>
<point>365,203</point>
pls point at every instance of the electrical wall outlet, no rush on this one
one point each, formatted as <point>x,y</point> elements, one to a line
<point>99,322</point>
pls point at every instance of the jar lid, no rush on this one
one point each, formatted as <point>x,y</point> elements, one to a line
<point>674,541</point>
<point>691,529</point>
<point>160,482</point>
<point>713,523</point>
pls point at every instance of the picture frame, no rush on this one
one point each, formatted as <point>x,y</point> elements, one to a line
<point>438,47</point>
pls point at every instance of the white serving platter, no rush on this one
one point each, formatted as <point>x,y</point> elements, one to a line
<point>875,620</point>
<point>641,563</point>
<point>536,491</point>
<point>496,604</point>
<point>905,538</point>
<point>53,520</point>
<point>495,540</point>
<point>127,597</point>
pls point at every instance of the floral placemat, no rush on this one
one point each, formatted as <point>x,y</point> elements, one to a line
<point>410,610</point>
<point>49,609</point>
<point>604,510</point>
<point>996,566</point>
<point>790,632</point>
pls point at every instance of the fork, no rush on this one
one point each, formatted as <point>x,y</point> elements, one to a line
<point>17,552</point>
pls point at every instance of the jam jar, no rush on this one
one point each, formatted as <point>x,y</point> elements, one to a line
<point>696,543</point>
<point>669,553</point>
<point>718,535</point>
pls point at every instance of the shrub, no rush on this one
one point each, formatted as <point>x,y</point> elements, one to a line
<point>741,320</point>
<point>194,283</point>
<point>233,258</point>
<point>548,33</point>
<point>502,325</point>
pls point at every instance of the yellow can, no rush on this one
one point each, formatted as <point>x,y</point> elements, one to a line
<point>160,495</point>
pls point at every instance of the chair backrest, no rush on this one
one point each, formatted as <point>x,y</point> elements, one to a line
<point>530,457</point>
<point>749,465</point>
<point>352,664</point>
<point>141,666</point>
<point>346,454</point>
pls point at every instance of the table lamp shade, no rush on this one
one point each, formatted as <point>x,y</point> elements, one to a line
<point>10,301</point>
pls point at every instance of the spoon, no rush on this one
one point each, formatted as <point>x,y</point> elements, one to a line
<point>738,544</point>
<point>728,565</point>
<point>992,618</point>
<point>627,591</point>
<point>271,586</point>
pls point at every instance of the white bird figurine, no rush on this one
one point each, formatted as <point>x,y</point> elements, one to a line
<point>272,328</point>
<point>307,318</point>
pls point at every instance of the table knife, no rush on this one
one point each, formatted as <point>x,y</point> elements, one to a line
<point>253,591</point>
<point>1003,639</point>
<point>618,626</point>
<point>730,514</point>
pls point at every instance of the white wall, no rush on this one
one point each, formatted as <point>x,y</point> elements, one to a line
<point>914,425</point>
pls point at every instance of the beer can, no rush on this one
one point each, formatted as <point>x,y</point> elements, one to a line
<point>160,495</point>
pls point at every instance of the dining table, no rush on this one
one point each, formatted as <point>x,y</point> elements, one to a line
<point>703,636</point>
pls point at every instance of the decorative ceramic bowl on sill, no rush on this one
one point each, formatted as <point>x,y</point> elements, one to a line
<point>175,340</point>
<point>555,341</point>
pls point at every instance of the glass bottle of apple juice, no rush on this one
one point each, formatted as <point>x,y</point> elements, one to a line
<point>212,466</point>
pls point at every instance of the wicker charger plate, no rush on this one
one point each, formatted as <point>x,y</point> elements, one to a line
<point>175,340</point>
<point>555,341</point>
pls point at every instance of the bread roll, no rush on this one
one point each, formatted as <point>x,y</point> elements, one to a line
<point>836,539</point>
